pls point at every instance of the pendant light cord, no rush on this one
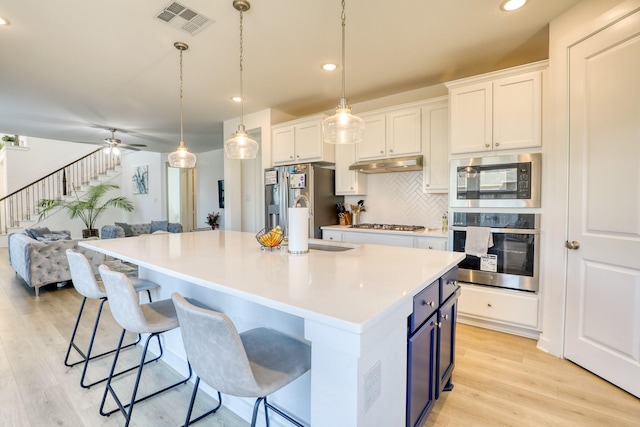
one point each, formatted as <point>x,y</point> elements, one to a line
<point>181,130</point>
<point>343,16</point>
<point>241,69</point>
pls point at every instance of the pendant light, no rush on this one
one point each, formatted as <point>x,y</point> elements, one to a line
<point>342,127</point>
<point>240,146</point>
<point>181,158</point>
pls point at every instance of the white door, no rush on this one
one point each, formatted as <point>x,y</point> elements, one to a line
<point>603,275</point>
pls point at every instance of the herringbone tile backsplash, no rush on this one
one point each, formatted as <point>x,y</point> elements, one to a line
<point>397,198</point>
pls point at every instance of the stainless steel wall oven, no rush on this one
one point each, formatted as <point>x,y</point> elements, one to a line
<point>513,260</point>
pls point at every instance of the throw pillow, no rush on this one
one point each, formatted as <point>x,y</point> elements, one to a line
<point>159,225</point>
<point>53,237</point>
<point>38,232</point>
<point>128,232</point>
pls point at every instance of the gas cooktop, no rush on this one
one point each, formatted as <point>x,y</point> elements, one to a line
<point>390,227</point>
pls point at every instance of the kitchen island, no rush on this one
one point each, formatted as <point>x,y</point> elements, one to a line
<point>351,305</point>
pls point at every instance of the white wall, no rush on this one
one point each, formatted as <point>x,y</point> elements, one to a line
<point>147,207</point>
<point>210,169</point>
<point>24,165</point>
<point>574,25</point>
<point>256,123</point>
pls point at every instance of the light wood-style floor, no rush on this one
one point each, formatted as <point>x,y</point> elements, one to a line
<point>499,379</point>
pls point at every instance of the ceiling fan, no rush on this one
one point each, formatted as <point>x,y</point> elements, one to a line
<point>114,144</point>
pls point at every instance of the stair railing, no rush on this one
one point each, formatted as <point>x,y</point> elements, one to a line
<point>24,204</point>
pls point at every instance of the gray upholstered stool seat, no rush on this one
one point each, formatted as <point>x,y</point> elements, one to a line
<point>87,285</point>
<point>152,318</point>
<point>254,363</point>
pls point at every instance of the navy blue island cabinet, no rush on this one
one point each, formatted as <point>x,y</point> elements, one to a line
<point>431,331</point>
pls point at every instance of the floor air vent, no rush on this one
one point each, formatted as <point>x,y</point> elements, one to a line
<point>181,17</point>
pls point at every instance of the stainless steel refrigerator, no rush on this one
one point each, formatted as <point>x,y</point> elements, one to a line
<point>284,183</point>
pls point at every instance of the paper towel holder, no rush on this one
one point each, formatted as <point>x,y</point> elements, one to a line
<point>306,200</point>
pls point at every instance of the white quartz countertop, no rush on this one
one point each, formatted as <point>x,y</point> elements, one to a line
<point>350,290</point>
<point>423,233</point>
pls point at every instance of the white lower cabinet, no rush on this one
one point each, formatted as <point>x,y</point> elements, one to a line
<point>435,243</point>
<point>386,238</point>
<point>336,236</point>
<point>378,239</point>
<point>499,306</point>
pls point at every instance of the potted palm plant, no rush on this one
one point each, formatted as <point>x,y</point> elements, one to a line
<point>87,208</point>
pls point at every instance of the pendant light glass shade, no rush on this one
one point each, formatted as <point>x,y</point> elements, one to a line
<point>240,146</point>
<point>181,158</point>
<point>343,127</point>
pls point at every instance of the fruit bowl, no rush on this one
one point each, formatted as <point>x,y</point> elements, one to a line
<point>270,238</point>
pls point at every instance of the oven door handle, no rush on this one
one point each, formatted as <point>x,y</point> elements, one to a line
<point>502,230</point>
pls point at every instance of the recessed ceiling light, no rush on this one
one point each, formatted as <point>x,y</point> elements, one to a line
<point>329,67</point>
<point>236,98</point>
<point>513,4</point>
<point>3,21</point>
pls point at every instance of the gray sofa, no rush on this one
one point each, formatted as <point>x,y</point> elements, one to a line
<point>120,229</point>
<point>41,263</point>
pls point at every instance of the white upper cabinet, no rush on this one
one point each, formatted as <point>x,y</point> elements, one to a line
<point>391,133</point>
<point>374,138</point>
<point>497,111</point>
<point>435,147</point>
<point>403,132</point>
<point>517,111</point>
<point>300,141</point>
<point>348,182</point>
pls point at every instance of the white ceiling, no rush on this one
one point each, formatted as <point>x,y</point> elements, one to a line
<point>72,69</point>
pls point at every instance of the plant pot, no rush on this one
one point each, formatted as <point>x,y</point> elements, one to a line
<point>90,232</point>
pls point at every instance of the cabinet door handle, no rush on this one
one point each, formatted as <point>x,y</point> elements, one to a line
<point>430,303</point>
<point>391,151</point>
<point>439,324</point>
<point>486,145</point>
<point>489,305</point>
<point>381,152</point>
<point>445,317</point>
<point>430,247</point>
<point>452,282</point>
<point>497,144</point>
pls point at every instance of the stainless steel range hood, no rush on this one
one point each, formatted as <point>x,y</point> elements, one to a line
<point>395,164</point>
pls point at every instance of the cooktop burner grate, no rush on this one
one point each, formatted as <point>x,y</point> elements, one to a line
<point>390,227</point>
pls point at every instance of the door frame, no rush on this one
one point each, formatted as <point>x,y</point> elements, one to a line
<point>565,32</point>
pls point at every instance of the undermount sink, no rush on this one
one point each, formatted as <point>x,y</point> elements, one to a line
<point>330,247</point>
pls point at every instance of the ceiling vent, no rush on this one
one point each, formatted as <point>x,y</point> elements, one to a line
<point>183,18</point>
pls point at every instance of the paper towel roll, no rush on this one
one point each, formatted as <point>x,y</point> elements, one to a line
<point>298,230</point>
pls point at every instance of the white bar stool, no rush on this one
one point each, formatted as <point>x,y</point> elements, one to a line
<point>254,363</point>
<point>85,282</point>
<point>152,318</point>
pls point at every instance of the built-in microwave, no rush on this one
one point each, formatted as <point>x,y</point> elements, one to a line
<point>508,181</point>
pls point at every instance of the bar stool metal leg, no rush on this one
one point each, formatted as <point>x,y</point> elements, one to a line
<point>109,389</point>
<point>188,421</point>
<point>86,357</point>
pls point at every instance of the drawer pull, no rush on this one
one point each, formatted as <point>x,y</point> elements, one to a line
<point>452,282</point>
<point>445,317</point>
<point>430,303</point>
<point>489,305</point>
